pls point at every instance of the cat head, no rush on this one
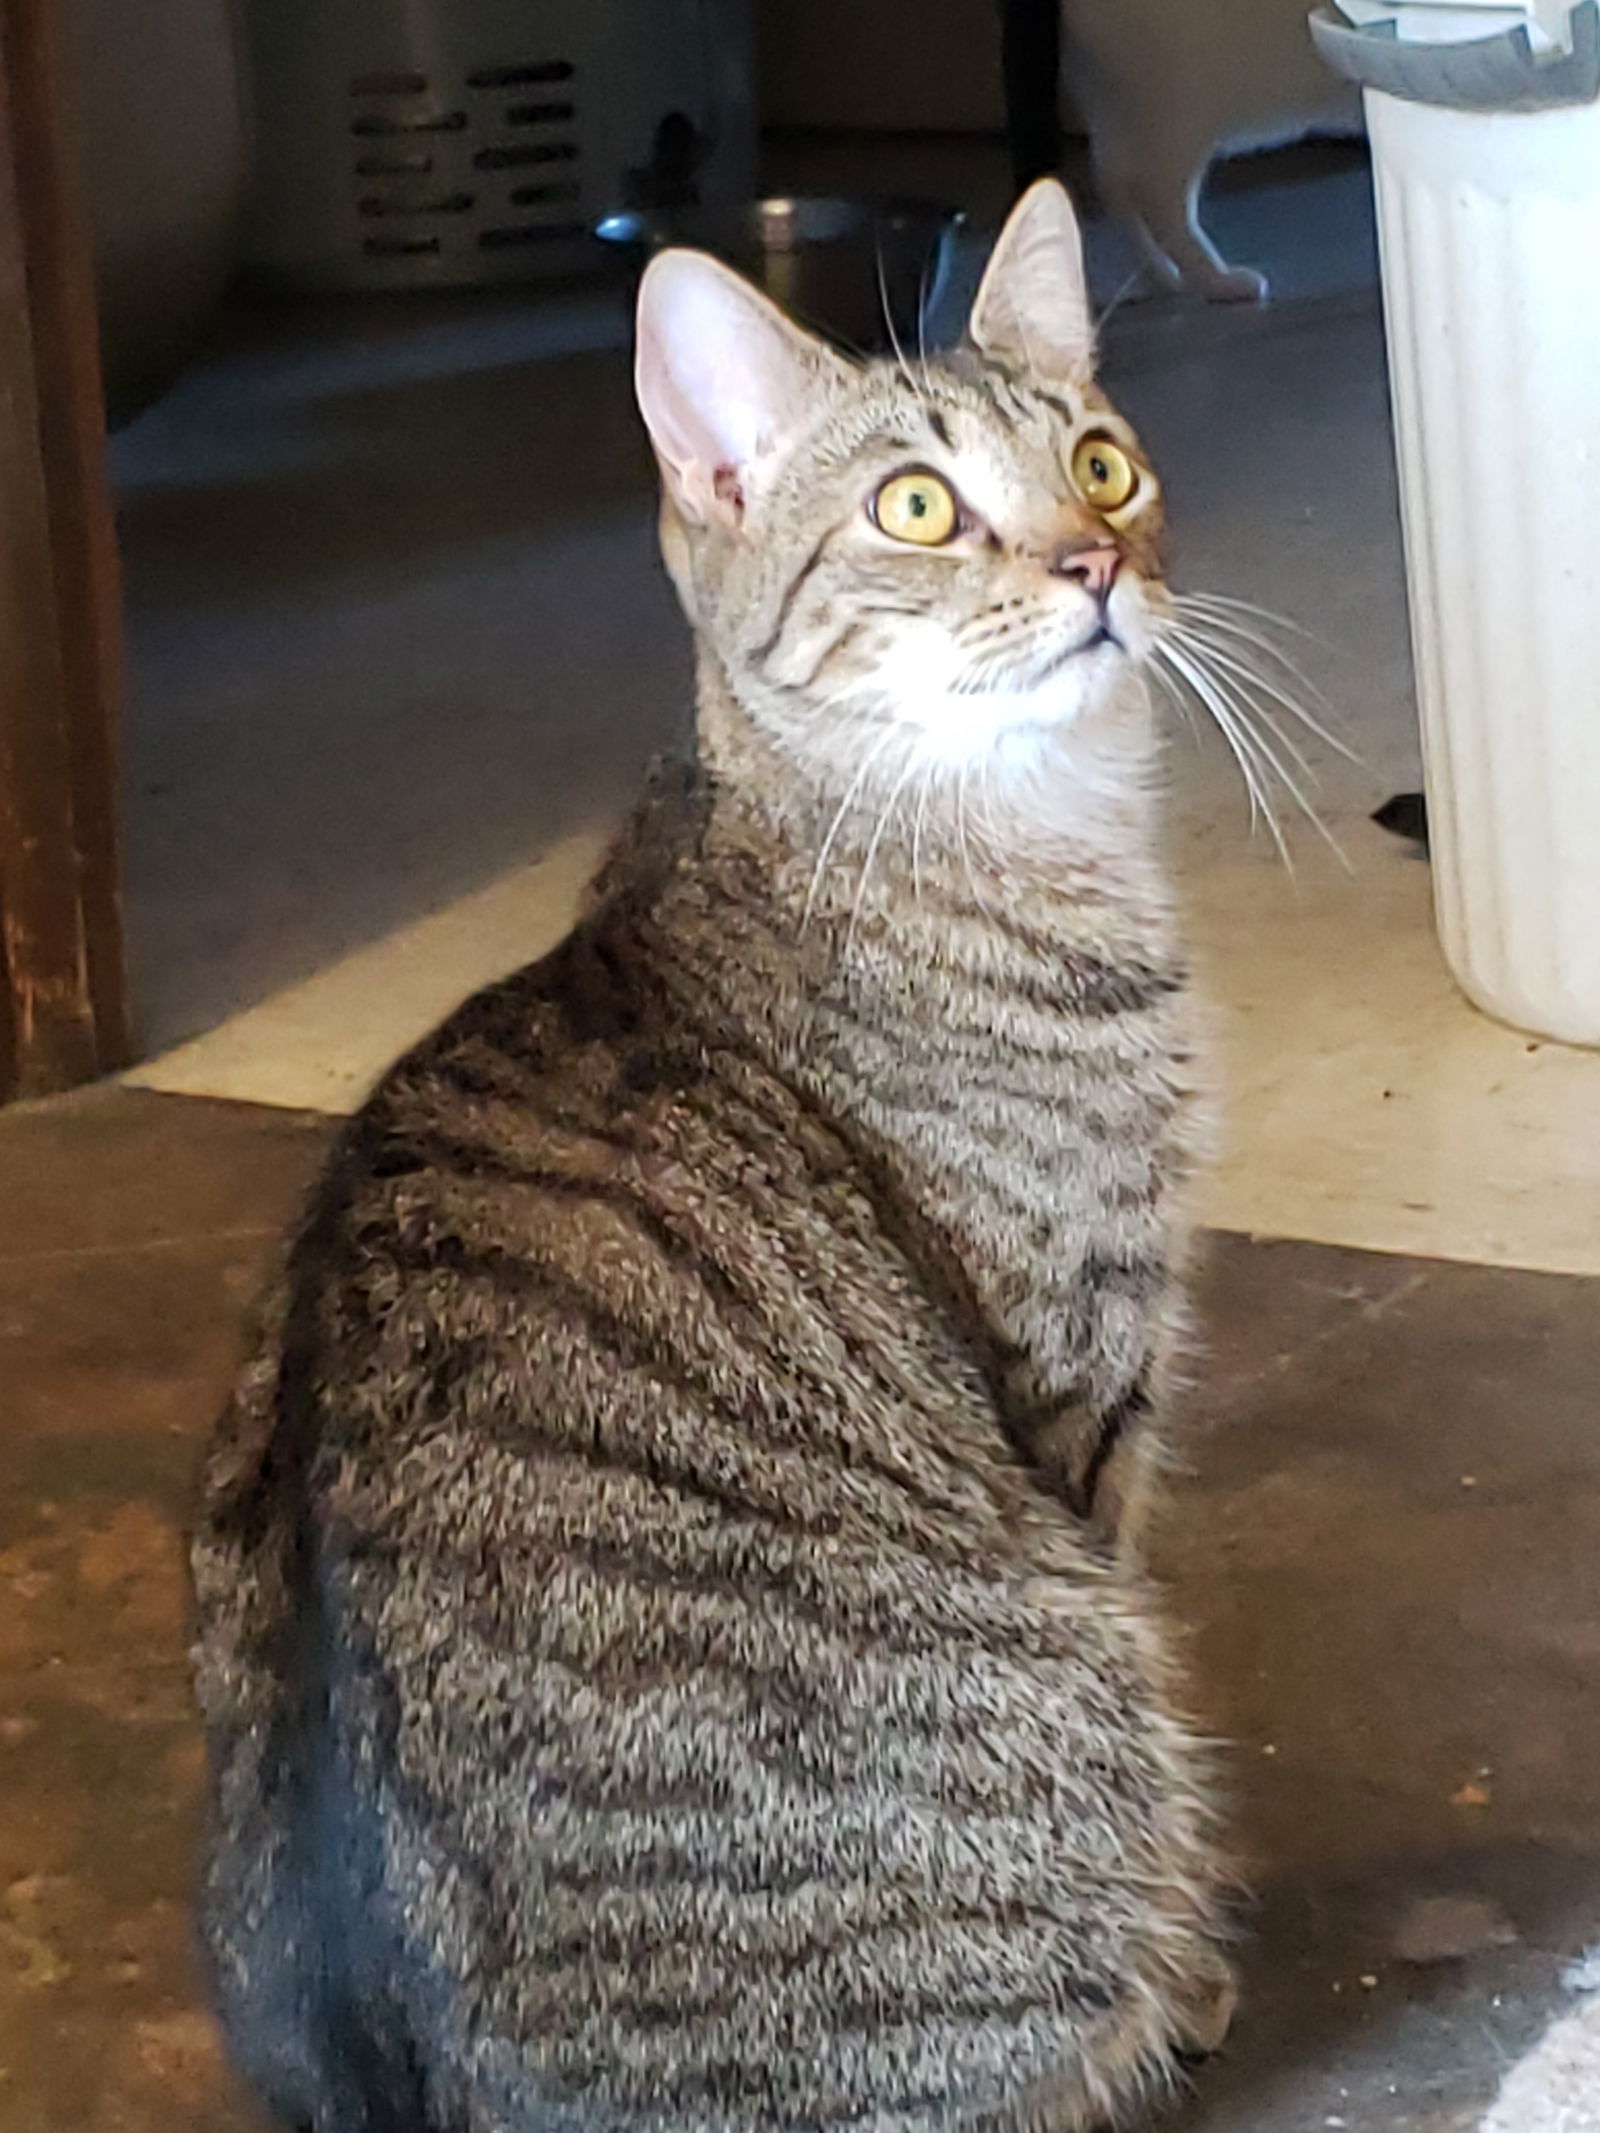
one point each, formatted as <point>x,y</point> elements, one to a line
<point>951,562</point>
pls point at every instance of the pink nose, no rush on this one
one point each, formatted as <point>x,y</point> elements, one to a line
<point>1094,564</point>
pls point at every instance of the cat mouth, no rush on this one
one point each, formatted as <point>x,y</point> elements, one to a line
<point>1024,676</point>
<point>1102,637</point>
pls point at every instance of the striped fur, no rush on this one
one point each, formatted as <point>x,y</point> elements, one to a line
<point>671,1637</point>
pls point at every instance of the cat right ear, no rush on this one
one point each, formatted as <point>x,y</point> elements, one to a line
<point>1032,309</point>
<point>720,375</point>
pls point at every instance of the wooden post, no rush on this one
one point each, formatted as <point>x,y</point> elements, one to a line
<point>62,999</point>
<point>1030,62</point>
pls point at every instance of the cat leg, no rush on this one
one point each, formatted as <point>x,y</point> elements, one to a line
<point>1156,192</point>
<point>1102,1458</point>
<point>1126,1492</point>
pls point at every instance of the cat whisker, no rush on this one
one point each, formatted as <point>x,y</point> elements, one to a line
<point>1225,630</point>
<point>925,794</point>
<point>1297,792</point>
<point>1246,688</point>
<point>980,676</point>
<point>987,799</point>
<point>924,290</point>
<point>1244,718</point>
<point>1263,663</point>
<point>1178,697</point>
<point>863,772</point>
<point>1243,684</point>
<point>1228,603</point>
<point>981,826</point>
<point>1008,657</point>
<point>889,325</point>
<point>1240,742</point>
<point>1259,624</point>
<point>1119,298</point>
<point>1268,727</point>
<point>1251,718</point>
<point>963,843</point>
<point>1224,624</point>
<point>1208,629</point>
<point>885,817</point>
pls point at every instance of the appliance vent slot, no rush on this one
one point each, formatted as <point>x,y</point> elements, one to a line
<point>442,204</point>
<point>499,240</point>
<point>398,247</point>
<point>532,76</point>
<point>388,122</point>
<point>395,163</point>
<point>519,158</point>
<point>543,195</point>
<point>389,85</point>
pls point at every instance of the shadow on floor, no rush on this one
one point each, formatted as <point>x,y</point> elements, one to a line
<point>396,627</point>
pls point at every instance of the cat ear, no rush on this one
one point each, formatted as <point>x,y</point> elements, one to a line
<point>721,375</point>
<point>1032,308</point>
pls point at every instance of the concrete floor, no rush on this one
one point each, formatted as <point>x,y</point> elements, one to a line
<point>1389,1549</point>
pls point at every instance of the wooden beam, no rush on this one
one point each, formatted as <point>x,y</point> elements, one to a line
<point>62,1000</point>
<point>1030,64</point>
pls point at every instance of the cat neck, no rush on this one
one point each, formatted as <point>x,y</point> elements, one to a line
<point>887,841</point>
<point>895,914</point>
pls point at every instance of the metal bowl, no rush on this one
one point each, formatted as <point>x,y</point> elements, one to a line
<point>847,268</point>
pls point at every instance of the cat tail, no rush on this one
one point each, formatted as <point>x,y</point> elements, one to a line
<point>271,1920</point>
<point>254,1920</point>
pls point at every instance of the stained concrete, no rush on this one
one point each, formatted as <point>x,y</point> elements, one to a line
<point>136,1228</point>
<point>1386,1548</point>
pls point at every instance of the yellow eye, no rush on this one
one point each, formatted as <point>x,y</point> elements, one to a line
<point>1105,475</point>
<point>919,508</point>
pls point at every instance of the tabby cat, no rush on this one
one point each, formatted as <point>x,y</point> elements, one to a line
<point>671,1632</point>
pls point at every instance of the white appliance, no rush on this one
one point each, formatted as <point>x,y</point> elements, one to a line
<point>426,143</point>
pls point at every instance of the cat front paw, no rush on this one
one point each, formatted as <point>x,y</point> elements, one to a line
<point>1208,2013</point>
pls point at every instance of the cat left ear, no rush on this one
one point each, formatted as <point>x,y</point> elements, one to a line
<point>1032,310</point>
<point>721,377</point>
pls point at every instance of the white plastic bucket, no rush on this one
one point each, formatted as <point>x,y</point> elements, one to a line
<point>1489,225</point>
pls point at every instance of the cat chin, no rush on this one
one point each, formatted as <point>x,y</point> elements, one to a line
<point>1024,729</point>
<point>1023,767</point>
<point>955,727</point>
